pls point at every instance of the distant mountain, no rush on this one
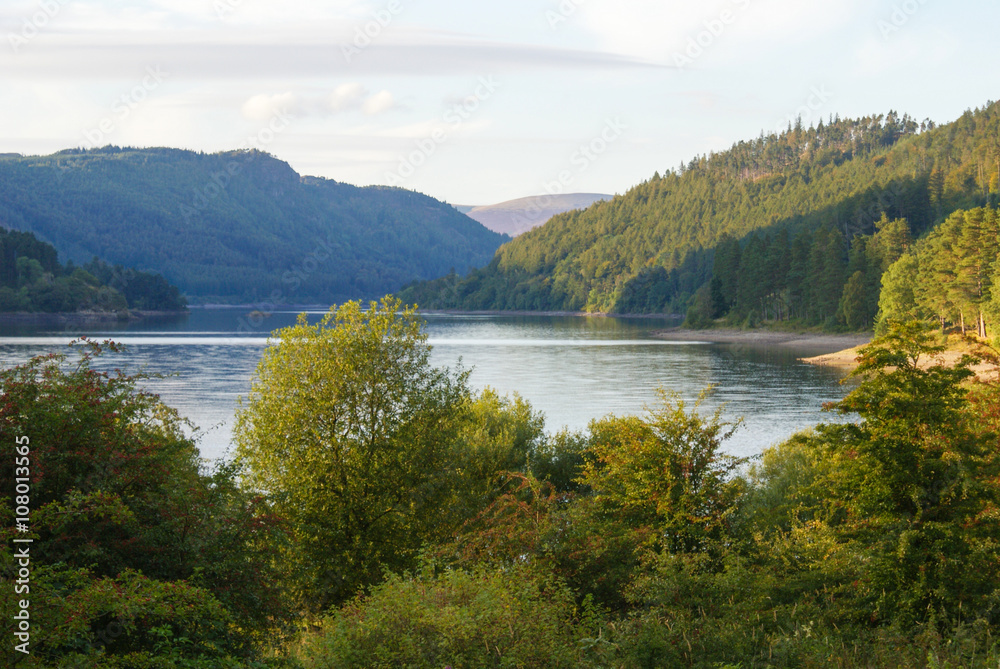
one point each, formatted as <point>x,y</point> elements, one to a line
<point>516,216</point>
<point>797,226</point>
<point>237,227</point>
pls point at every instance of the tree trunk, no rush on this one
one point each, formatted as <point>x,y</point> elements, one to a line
<point>961,318</point>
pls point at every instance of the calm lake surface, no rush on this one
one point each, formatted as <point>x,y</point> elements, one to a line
<point>572,369</point>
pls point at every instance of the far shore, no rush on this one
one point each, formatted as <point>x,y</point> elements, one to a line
<point>439,312</point>
<point>81,318</point>
<point>819,344</point>
<point>587,314</point>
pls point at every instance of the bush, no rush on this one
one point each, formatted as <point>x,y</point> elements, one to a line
<point>126,527</point>
<point>461,619</point>
<point>559,460</point>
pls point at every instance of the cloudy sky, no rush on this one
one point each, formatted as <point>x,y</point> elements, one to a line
<point>478,102</point>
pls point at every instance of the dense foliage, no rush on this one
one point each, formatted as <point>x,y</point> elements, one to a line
<point>32,279</point>
<point>866,544</point>
<point>368,450</point>
<point>237,226</point>
<point>139,558</point>
<point>949,276</point>
<point>412,522</point>
<point>348,428</point>
<point>800,206</point>
<point>779,278</point>
<point>459,619</point>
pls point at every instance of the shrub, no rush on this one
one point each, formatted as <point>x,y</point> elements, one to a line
<point>499,618</point>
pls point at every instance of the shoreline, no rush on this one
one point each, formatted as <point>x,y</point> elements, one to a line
<point>820,344</point>
<point>74,318</point>
<point>847,361</point>
<point>577,314</point>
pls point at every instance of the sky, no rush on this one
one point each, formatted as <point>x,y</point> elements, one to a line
<point>478,102</point>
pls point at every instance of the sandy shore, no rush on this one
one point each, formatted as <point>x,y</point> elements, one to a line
<point>846,359</point>
<point>817,343</point>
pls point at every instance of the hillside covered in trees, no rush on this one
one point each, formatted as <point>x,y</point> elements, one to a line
<point>237,227</point>
<point>774,228</point>
<point>949,276</point>
<point>33,280</point>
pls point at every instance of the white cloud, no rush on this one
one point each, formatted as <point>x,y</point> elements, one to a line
<point>346,96</point>
<point>263,107</point>
<point>210,55</point>
<point>378,103</point>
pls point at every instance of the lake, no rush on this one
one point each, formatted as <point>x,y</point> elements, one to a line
<point>573,369</point>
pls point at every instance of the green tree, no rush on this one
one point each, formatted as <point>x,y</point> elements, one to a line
<point>725,275</point>
<point>129,535</point>
<point>666,470</point>
<point>499,435</point>
<point>977,247</point>
<point>852,303</point>
<point>826,274</point>
<point>910,486</point>
<point>949,274</point>
<point>29,271</point>
<point>897,301</point>
<point>349,430</point>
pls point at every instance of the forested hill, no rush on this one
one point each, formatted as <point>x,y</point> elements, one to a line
<point>239,226</point>
<point>33,280</point>
<point>792,208</point>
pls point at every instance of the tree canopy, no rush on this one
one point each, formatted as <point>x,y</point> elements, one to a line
<point>136,553</point>
<point>32,279</point>
<point>949,276</point>
<point>237,226</point>
<point>348,428</point>
<point>802,207</point>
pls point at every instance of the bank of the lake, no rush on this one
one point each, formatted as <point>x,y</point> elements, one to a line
<point>580,314</point>
<point>847,360</point>
<point>819,342</point>
<point>82,318</point>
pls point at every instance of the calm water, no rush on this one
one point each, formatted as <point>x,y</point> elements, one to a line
<point>571,369</point>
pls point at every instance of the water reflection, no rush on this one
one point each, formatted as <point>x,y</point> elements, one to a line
<point>572,369</point>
